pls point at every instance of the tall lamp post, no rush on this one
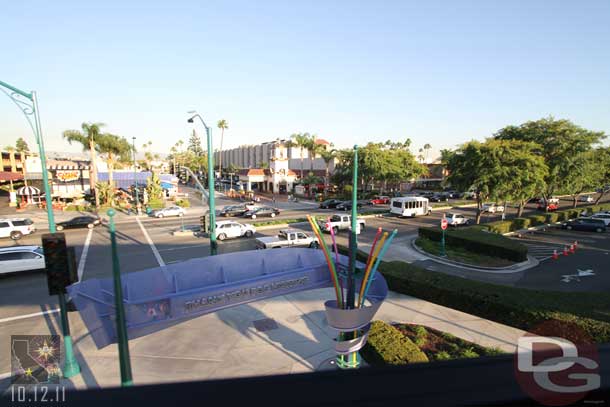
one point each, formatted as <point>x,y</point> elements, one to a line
<point>28,104</point>
<point>211,203</point>
<point>135,180</point>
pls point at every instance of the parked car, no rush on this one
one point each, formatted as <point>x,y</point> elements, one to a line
<point>330,203</point>
<point>380,200</point>
<point>233,210</point>
<point>21,258</point>
<point>339,222</point>
<point>286,238</point>
<point>170,211</point>
<point>15,228</point>
<point>226,229</point>
<point>262,211</point>
<point>457,219</point>
<point>586,198</point>
<point>605,216</point>
<point>453,194</point>
<point>585,224</point>
<point>492,208</point>
<point>79,222</point>
<point>438,198</point>
<point>550,207</point>
<point>347,206</point>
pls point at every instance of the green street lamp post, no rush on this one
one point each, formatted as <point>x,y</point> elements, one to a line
<point>28,104</point>
<point>211,203</point>
<point>135,180</point>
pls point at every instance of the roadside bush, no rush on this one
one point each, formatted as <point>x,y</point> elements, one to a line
<point>387,346</point>
<point>521,223</point>
<point>479,241</point>
<point>156,203</point>
<point>183,203</point>
<point>501,226</point>
<point>551,217</point>
<point>536,220</point>
<point>80,208</point>
<point>517,307</point>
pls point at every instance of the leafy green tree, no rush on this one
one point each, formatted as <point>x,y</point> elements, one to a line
<point>602,158</point>
<point>88,138</point>
<point>106,191</point>
<point>22,146</point>
<point>222,125</point>
<point>153,187</point>
<point>116,149</point>
<point>302,141</point>
<point>195,144</point>
<point>586,176</point>
<point>561,143</point>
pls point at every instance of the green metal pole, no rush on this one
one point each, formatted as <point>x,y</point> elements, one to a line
<point>121,326</point>
<point>135,180</point>
<point>71,367</point>
<point>211,193</point>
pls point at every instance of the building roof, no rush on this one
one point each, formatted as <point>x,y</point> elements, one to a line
<point>10,176</point>
<point>252,171</point>
<point>322,141</point>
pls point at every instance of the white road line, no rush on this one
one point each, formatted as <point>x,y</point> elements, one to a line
<point>151,244</point>
<point>83,256</point>
<point>35,314</point>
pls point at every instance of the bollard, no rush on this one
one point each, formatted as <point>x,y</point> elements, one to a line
<point>575,244</point>
<point>565,250</point>
<point>555,255</point>
<point>572,248</point>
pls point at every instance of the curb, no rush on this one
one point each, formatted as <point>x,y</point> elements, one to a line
<point>515,268</point>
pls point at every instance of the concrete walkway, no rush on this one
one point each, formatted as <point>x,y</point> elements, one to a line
<point>226,344</point>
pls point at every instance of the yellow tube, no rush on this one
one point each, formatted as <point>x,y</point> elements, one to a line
<point>370,266</point>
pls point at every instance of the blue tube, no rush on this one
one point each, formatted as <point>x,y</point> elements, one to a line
<point>379,257</point>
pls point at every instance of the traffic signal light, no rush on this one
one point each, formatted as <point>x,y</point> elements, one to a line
<point>205,223</point>
<point>60,263</point>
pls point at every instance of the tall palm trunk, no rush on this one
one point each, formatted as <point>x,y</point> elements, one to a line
<point>222,134</point>
<point>326,179</point>
<point>301,164</point>
<point>111,177</point>
<point>93,174</point>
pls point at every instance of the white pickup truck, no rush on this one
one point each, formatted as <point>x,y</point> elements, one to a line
<point>339,222</point>
<point>286,238</point>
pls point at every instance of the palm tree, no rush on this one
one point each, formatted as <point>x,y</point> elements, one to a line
<point>328,156</point>
<point>222,125</point>
<point>427,147</point>
<point>116,149</point>
<point>88,138</point>
<point>313,149</point>
<point>301,140</point>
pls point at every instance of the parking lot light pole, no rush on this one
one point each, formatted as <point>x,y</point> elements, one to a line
<point>211,190</point>
<point>135,180</point>
<point>28,104</point>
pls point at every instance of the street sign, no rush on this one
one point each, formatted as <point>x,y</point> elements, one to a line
<point>444,223</point>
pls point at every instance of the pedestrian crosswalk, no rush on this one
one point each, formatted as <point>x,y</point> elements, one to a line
<point>541,251</point>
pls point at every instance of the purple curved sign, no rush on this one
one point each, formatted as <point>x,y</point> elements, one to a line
<point>158,298</point>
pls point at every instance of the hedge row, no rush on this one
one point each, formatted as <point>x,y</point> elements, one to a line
<point>479,241</point>
<point>387,346</point>
<point>505,226</point>
<point>518,307</point>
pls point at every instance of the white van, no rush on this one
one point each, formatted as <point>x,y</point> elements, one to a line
<point>410,206</point>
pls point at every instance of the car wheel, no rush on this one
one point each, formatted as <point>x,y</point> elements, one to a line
<point>313,245</point>
<point>90,226</point>
<point>569,227</point>
<point>59,228</point>
<point>16,235</point>
<point>253,216</point>
<point>599,230</point>
<point>222,237</point>
<point>362,226</point>
<point>335,230</point>
<point>181,214</point>
<point>273,214</point>
<point>160,215</point>
<point>248,233</point>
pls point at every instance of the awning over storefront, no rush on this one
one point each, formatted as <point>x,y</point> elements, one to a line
<point>28,191</point>
<point>10,176</point>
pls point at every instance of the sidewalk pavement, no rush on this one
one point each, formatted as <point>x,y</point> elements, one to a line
<point>226,344</point>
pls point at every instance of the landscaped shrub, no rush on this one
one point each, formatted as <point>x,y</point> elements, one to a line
<point>501,226</point>
<point>387,346</point>
<point>537,220</point>
<point>517,307</point>
<point>81,208</point>
<point>521,223</point>
<point>479,241</point>
<point>183,203</point>
<point>551,217</point>
<point>156,203</point>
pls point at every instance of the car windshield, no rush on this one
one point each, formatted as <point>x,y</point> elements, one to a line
<point>39,251</point>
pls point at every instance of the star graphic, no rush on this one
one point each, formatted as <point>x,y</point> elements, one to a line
<point>28,372</point>
<point>45,351</point>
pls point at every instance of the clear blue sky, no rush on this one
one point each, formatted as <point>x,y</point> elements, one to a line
<point>438,72</point>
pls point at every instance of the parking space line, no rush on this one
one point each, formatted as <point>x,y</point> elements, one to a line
<point>83,256</point>
<point>35,314</point>
<point>151,244</point>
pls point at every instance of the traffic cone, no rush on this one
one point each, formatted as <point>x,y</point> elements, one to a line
<point>555,255</point>
<point>565,250</point>
<point>572,248</point>
<point>575,244</point>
